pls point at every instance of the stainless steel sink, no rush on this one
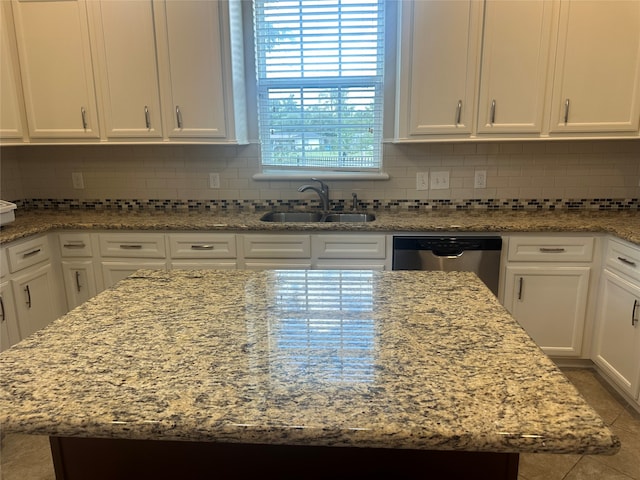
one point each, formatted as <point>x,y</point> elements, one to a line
<point>312,217</point>
<point>350,217</point>
<point>292,217</point>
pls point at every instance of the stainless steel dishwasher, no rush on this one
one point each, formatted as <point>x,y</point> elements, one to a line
<point>464,253</point>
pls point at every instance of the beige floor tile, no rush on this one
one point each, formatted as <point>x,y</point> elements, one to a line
<point>25,457</point>
<point>601,398</point>
<point>628,420</point>
<point>546,466</point>
<point>627,460</point>
<point>590,469</point>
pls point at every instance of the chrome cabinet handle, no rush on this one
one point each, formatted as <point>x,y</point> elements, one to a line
<point>627,262</point>
<point>493,112</point>
<point>520,288</point>
<point>78,244</point>
<point>31,253</point>
<point>634,319</point>
<point>130,247</point>
<point>78,286</point>
<point>28,292</point>
<point>147,117</point>
<point>566,111</point>
<point>202,247</point>
<point>459,112</point>
<point>178,116</point>
<point>552,249</point>
<point>83,112</point>
<point>2,312</point>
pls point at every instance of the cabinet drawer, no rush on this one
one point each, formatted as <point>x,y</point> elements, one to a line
<point>623,258</point>
<point>550,249</point>
<point>202,245</point>
<point>75,245</point>
<point>276,246</point>
<point>132,245</point>
<point>349,246</point>
<point>28,253</point>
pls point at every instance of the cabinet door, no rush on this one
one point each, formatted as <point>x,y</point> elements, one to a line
<point>128,74</point>
<point>597,72</point>
<point>515,61</point>
<point>550,304</point>
<point>9,333</point>
<point>190,56</point>
<point>114,271</point>
<point>56,68</point>
<point>618,332</point>
<point>439,57</point>
<point>79,281</point>
<point>11,110</point>
<point>36,300</point>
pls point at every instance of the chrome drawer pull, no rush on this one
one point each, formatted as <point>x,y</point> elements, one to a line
<point>552,250</point>
<point>83,114</point>
<point>627,262</point>
<point>4,317</point>
<point>31,253</point>
<point>79,244</point>
<point>459,112</point>
<point>634,319</point>
<point>566,111</point>
<point>147,117</point>
<point>202,247</point>
<point>520,288</point>
<point>130,247</point>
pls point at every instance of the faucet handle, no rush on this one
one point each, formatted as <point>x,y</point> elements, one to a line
<point>323,186</point>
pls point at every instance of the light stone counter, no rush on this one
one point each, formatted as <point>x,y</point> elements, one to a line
<point>623,224</point>
<point>399,360</point>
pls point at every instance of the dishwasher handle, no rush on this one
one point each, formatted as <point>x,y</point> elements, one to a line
<point>454,251</point>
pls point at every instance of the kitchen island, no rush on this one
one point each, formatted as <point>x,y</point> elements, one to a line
<point>302,374</point>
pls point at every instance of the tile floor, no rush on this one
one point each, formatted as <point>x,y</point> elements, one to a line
<point>27,457</point>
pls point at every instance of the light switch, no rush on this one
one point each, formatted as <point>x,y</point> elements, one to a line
<point>439,180</point>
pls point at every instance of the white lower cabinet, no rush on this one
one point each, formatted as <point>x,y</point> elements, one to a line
<point>37,300</point>
<point>348,251</point>
<point>550,303</point>
<point>274,251</point>
<point>546,288</point>
<point>79,281</point>
<point>617,346</point>
<point>115,270</point>
<point>121,254</point>
<point>9,333</point>
<point>194,251</point>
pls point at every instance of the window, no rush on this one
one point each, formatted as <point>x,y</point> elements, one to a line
<point>320,79</point>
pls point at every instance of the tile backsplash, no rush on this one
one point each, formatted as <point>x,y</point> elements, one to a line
<point>547,174</point>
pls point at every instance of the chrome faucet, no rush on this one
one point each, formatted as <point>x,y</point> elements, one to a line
<point>323,193</point>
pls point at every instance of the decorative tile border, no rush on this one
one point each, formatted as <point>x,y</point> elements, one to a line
<point>337,205</point>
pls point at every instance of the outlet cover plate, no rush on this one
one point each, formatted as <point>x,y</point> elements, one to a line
<point>422,181</point>
<point>214,180</point>
<point>78,180</point>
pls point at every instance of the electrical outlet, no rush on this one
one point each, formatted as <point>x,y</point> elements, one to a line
<point>214,180</point>
<point>422,181</point>
<point>439,180</point>
<point>78,180</point>
<point>480,180</point>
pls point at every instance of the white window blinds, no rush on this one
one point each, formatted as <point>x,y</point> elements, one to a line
<point>320,74</point>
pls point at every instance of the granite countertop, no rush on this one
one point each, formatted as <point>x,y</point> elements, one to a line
<point>419,360</point>
<point>623,224</point>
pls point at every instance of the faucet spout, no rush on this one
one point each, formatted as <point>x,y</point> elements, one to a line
<point>323,193</point>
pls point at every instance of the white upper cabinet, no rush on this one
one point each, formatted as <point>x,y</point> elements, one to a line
<point>11,101</point>
<point>125,54</point>
<point>515,61</point>
<point>438,66</point>
<point>194,41</point>
<point>597,72</point>
<point>56,68</point>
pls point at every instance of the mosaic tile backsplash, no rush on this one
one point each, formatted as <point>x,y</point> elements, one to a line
<point>340,205</point>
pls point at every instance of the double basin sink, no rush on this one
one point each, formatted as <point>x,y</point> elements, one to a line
<point>317,217</point>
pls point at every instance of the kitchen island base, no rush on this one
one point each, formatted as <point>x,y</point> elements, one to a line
<point>98,458</point>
